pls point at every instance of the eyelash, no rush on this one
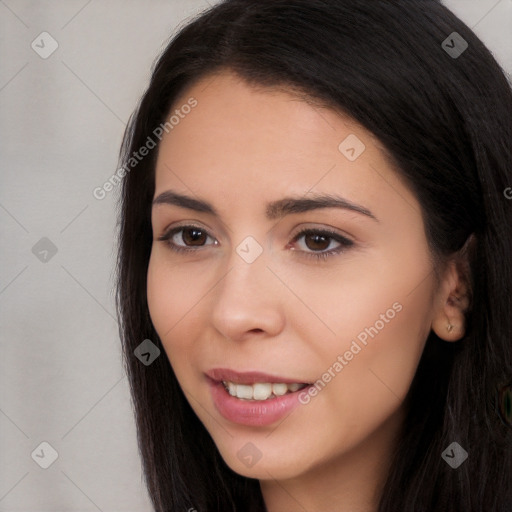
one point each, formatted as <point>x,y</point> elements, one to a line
<point>344,242</point>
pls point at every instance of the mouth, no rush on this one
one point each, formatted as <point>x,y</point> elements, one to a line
<point>254,398</point>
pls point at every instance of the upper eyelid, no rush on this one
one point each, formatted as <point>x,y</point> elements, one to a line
<point>331,232</point>
<point>176,229</point>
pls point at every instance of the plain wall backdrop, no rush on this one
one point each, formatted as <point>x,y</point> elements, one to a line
<point>62,116</point>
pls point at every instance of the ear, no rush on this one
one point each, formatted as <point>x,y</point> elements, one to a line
<point>453,297</point>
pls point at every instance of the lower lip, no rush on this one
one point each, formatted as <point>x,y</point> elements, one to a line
<point>255,413</point>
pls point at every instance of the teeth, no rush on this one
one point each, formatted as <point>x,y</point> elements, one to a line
<point>279,389</point>
<point>261,390</point>
<point>244,391</point>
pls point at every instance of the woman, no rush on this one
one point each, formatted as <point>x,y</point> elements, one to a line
<point>315,234</point>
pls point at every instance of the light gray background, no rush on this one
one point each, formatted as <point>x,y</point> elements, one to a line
<point>61,124</point>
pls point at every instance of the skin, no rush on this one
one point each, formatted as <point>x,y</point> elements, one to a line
<point>286,313</point>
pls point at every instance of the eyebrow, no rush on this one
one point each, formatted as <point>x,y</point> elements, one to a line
<point>274,210</point>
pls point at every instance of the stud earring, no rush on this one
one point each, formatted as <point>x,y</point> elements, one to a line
<point>449,327</point>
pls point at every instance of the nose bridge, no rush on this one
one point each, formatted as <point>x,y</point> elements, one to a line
<point>248,274</point>
<point>246,299</point>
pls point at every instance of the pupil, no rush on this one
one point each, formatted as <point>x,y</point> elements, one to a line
<point>320,242</point>
<point>192,236</point>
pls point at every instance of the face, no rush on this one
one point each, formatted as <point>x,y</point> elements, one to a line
<point>287,254</point>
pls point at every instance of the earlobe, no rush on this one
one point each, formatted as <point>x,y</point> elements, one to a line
<point>448,331</point>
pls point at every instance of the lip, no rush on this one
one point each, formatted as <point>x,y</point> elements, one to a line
<point>220,374</point>
<point>252,413</point>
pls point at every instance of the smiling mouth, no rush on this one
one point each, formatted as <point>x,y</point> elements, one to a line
<point>254,398</point>
<point>261,390</point>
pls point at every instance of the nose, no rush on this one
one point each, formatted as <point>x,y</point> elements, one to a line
<point>249,300</point>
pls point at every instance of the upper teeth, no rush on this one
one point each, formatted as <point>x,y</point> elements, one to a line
<point>260,391</point>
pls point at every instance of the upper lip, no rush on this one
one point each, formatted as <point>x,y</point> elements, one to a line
<point>252,377</point>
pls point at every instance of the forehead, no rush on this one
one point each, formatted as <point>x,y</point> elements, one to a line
<point>262,143</point>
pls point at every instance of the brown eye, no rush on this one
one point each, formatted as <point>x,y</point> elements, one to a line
<point>188,239</point>
<point>194,236</point>
<point>317,242</point>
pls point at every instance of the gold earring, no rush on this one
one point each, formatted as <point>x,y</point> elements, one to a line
<point>449,327</point>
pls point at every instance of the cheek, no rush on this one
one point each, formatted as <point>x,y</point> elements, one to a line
<point>174,297</point>
<point>374,382</point>
<point>377,319</point>
<point>381,360</point>
<point>369,392</point>
<point>383,303</point>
